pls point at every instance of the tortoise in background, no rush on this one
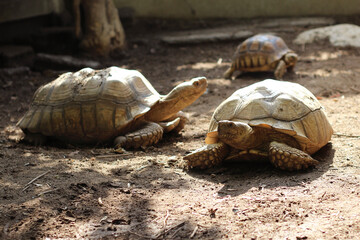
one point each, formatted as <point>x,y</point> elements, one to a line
<point>113,104</point>
<point>262,53</point>
<point>278,120</point>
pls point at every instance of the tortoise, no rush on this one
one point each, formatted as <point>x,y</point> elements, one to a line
<point>275,120</point>
<point>262,53</point>
<point>96,106</point>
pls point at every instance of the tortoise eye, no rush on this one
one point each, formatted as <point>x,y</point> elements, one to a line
<point>196,83</point>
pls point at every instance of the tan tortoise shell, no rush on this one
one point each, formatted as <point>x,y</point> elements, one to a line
<point>89,105</point>
<point>285,107</point>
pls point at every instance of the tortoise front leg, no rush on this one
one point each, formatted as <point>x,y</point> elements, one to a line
<point>207,156</point>
<point>184,118</point>
<point>229,72</point>
<point>280,70</point>
<point>170,126</point>
<point>176,123</point>
<point>149,134</point>
<point>288,158</point>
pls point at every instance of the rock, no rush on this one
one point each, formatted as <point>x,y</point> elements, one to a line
<point>341,35</point>
<point>173,158</point>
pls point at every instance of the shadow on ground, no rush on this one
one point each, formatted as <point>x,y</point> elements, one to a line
<point>237,178</point>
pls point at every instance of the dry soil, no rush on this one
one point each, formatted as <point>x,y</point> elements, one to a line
<point>64,191</point>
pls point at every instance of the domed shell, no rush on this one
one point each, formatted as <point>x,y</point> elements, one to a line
<point>260,50</point>
<point>282,106</point>
<point>89,105</point>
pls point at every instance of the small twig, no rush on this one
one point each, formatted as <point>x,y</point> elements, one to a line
<point>168,230</point>
<point>26,187</point>
<point>173,235</point>
<point>144,222</point>
<point>164,224</point>
<point>203,226</point>
<point>142,236</point>
<point>36,178</point>
<point>157,236</point>
<point>112,155</point>
<point>194,232</point>
<point>323,195</point>
<point>48,191</point>
<point>33,180</point>
<point>355,89</point>
<point>142,167</point>
<point>257,199</point>
<point>346,135</point>
<point>342,90</point>
<point>166,218</point>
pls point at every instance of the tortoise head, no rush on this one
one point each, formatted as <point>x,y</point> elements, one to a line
<point>187,92</point>
<point>236,134</point>
<point>290,59</point>
<point>177,99</point>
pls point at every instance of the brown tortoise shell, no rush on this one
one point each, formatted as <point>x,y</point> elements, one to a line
<point>259,53</point>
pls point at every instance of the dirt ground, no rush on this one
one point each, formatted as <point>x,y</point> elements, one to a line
<point>94,193</point>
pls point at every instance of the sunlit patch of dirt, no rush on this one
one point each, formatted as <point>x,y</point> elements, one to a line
<point>90,192</point>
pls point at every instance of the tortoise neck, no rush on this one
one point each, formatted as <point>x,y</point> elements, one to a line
<point>241,136</point>
<point>162,110</point>
<point>268,135</point>
<point>254,139</point>
<point>177,99</point>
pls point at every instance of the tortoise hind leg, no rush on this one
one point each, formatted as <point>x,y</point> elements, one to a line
<point>207,156</point>
<point>288,158</point>
<point>148,135</point>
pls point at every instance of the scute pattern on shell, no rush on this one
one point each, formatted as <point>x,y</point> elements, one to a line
<point>259,51</point>
<point>89,105</point>
<point>283,106</point>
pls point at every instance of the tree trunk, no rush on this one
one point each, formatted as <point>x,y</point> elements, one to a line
<point>98,26</point>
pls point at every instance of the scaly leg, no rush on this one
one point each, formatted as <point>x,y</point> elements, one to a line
<point>184,118</point>
<point>280,70</point>
<point>207,156</point>
<point>229,72</point>
<point>149,134</point>
<point>171,125</point>
<point>288,158</point>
